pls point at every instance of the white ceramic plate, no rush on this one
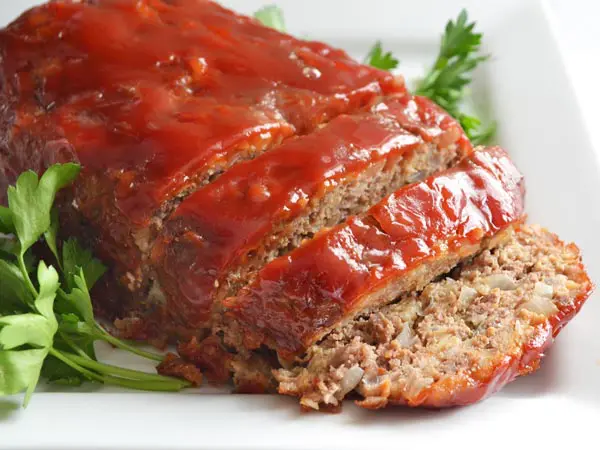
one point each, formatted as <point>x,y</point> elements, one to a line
<point>526,89</point>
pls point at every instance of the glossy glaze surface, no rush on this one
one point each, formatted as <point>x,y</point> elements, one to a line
<point>155,93</point>
<point>297,297</point>
<point>221,226</point>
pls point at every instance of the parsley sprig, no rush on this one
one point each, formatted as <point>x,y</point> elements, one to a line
<point>377,58</point>
<point>271,16</point>
<point>447,80</point>
<point>47,325</point>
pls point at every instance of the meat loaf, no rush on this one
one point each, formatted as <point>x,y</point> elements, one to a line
<point>401,244</point>
<point>222,234</point>
<point>461,339</point>
<point>155,98</point>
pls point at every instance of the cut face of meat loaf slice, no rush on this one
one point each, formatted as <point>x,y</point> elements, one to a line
<point>460,340</point>
<point>157,98</point>
<point>226,231</point>
<point>399,245</point>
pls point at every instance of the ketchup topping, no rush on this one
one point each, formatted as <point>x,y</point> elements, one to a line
<point>297,298</point>
<point>155,93</point>
<point>221,226</point>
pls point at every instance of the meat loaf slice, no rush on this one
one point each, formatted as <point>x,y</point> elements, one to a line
<point>460,340</point>
<point>399,245</point>
<point>259,209</point>
<point>155,98</point>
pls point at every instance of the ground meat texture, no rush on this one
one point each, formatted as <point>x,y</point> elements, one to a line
<point>209,355</point>
<point>222,234</point>
<point>252,375</point>
<point>174,366</point>
<point>460,340</point>
<point>416,234</point>
<point>155,99</point>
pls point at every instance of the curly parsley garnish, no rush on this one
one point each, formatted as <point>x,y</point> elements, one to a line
<point>446,82</point>
<point>377,58</point>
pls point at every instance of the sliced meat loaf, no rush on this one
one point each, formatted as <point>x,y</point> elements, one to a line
<point>463,338</point>
<point>399,245</point>
<point>156,98</point>
<point>219,236</point>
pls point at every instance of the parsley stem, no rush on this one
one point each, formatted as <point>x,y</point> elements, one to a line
<point>144,385</point>
<point>73,345</point>
<point>125,373</point>
<point>157,386</point>
<point>26,275</point>
<point>59,355</point>
<point>99,333</point>
<point>105,336</point>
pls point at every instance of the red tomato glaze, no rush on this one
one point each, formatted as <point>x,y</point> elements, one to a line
<point>215,229</point>
<point>155,93</point>
<point>297,298</point>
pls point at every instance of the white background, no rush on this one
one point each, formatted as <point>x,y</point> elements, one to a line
<point>577,25</point>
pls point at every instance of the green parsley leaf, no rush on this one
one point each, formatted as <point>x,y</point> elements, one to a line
<point>4,255</point>
<point>24,329</point>
<point>78,301</point>
<point>30,261</point>
<point>377,58</point>
<point>75,258</point>
<point>51,233</point>
<point>271,16</point>
<point>9,247</point>
<point>71,332</point>
<point>77,314</point>
<point>48,281</point>
<point>57,372</point>
<point>69,318</point>
<point>6,221</point>
<point>47,329</point>
<point>20,370</point>
<point>14,289</point>
<point>445,83</point>
<point>481,137</point>
<point>75,331</point>
<point>20,367</point>
<point>30,201</point>
<point>459,38</point>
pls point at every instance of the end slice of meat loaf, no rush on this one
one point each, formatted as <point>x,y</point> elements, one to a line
<point>221,235</point>
<point>399,245</point>
<point>460,340</point>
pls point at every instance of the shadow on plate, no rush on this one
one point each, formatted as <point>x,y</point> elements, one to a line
<point>398,415</point>
<point>8,408</point>
<point>544,381</point>
<point>289,407</point>
<point>84,388</point>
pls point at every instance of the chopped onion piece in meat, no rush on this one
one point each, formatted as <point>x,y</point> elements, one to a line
<point>351,379</point>
<point>501,281</point>
<point>540,305</point>
<point>405,338</point>
<point>543,290</point>
<point>466,296</point>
